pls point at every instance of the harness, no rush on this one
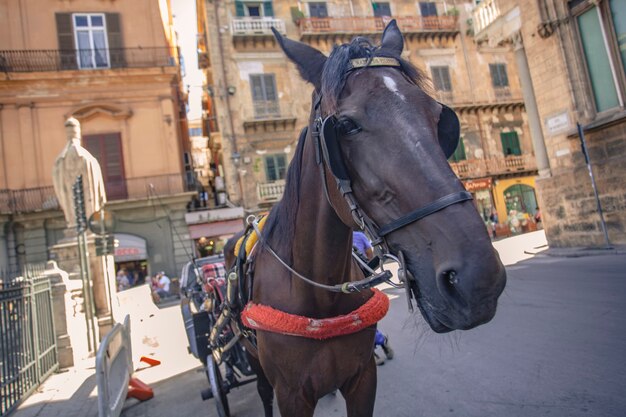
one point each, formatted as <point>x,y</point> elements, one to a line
<point>328,155</point>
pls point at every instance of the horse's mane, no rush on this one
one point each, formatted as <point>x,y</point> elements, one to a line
<point>282,220</point>
<point>336,69</point>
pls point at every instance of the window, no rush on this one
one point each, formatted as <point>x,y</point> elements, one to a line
<point>499,79</point>
<point>441,78</point>
<point>90,40</point>
<point>107,149</point>
<point>275,167</point>
<point>381,9</point>
<point>510,143</point>
<point>264,95</point>
<point>599,46</point>
<point>254,8</point>
<point>459,153</point>
<point>317,9</point>
<point>428,8</point>
<point>195,131</point>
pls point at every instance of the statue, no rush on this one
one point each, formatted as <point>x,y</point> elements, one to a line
<point>73,161</point>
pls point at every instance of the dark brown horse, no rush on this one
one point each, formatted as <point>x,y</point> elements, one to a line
<point>389,140</point>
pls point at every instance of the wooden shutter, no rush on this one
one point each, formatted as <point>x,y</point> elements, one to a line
<point>428,8</point>
<point>107,149</point>
<point>239,9</point>
<point>65,35</point>
<point>116,43</point>
<point>441,78</point>
<point>268,10</point>
<point>381,9</point>
<point>510,143</point>
<point>498,75</point>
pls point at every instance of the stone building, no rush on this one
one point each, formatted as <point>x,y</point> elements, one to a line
<point>261,104</point>
<point>575,53</point>
<point>119,75</point>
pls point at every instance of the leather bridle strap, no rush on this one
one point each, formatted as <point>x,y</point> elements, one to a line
<point>422,212</point>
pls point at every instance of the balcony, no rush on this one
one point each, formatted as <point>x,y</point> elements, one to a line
<point>496,21</point>
<point>39,60</point>
<point>148,187</point>
<point>476,168</point>
<point>314,26</point>
<point>266,115</point>
<point>270,192</point>
<point>28,200</point>
<point>256,29</point>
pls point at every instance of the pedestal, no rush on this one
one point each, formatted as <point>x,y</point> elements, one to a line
<point>102,275</point>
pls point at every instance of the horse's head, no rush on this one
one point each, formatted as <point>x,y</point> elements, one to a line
<point>393,141</point>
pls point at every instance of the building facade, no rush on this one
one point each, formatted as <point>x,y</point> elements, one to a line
<point>576,63</point>
<point>120,77</point>
<point>260,102</point>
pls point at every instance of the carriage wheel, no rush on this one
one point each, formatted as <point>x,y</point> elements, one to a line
<point>217,387</point>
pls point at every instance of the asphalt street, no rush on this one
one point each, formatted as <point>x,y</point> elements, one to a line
<point>557,347</point>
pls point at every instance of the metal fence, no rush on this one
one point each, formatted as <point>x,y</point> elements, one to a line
<point>28,353</point>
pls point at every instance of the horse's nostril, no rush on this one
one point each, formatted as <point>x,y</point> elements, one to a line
<point>451,276</point>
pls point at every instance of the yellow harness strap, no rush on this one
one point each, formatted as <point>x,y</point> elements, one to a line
<point>251,241</point>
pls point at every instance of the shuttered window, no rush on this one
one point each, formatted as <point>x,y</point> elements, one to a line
<point>459,153</point>
<point>381,9</point>
<point>318,9</point>
<point>441,78</point>
<point>275,167</point>
<point>107,149</point>
<point>428,8</point>
<point>510,143</point>
<point>254,9</point>
<point>90,40</point>
<point>499,77</point>
<point>264,95</point>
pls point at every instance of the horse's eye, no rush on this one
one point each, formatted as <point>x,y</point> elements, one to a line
<point>347,127</point>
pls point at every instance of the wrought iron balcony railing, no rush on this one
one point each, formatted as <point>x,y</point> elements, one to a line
<point>37,60</point>
<point>44,198</point>
<point>475,168</point>
<point>266,109</point>
<point>270,191</point>
<point>256,26</point>
<point>359,25</point>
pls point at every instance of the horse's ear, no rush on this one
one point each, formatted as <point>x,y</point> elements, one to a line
<point>448,130</point>
<point>310,61</point>
<point>392,38</point>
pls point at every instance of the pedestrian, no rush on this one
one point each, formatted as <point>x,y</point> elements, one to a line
<point>494,223</point>
<point>363,247</point>
<point>122,280</point>
<point>164,282</point>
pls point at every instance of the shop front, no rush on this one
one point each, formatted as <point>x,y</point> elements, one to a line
<point>211,229</point>
<point>131,257</point>
<point>516,202</point>
<point>483,199</point>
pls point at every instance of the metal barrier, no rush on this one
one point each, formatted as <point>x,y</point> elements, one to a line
<point>28,352</point>
<point>114,367</point>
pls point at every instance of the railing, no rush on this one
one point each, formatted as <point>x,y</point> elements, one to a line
<point>147,187</point>
<point>28,352</point>
<point>34,60</point>
<point>28,200</point>
<point>474,168</point>
<point>270,191</point>
<point>44,198</point>
<point>502,93</point>
<point>318,25</point>
<point>485,14</point>
<point>266,109</point>
<point>244,26</point>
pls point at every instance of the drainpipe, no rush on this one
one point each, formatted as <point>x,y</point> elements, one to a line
<point>232,136</point>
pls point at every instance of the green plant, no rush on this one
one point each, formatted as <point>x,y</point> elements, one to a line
<point>452,12</point>
<point>296,15</point>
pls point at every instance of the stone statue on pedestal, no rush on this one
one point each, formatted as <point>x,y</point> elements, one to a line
<point>73,161</point>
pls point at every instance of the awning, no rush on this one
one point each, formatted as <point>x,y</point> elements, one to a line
<point>226,227</point>
<point>129,248</point>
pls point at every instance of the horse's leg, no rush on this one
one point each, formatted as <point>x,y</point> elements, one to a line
<point>360,393</point>
<point>263,386</point>
<point>292,403</point>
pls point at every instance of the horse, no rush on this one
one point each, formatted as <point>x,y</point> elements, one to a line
<point>374,153</point>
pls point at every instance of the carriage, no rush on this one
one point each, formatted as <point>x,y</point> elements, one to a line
<point>203,294</point>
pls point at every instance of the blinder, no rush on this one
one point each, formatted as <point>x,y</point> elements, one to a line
<point>331,150</point>
<point>448,130</point>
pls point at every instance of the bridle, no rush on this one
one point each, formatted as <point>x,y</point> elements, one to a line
<point>328,155</point>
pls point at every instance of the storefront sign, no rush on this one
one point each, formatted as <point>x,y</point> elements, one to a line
<point>130,248</point>
<point>479,184</point>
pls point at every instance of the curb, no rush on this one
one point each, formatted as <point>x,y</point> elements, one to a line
<point>577,252</point>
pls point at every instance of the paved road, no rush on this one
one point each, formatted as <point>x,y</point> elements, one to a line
<point>556,348</point>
